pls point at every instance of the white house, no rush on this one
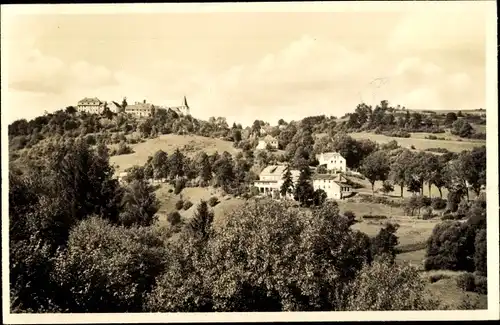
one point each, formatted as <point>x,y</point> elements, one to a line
<point>268,140</point>
<point>333,161</point>
<point>271,180</point>
<point>335,186</point>
<point>140,109</point>
<point>91,105</point>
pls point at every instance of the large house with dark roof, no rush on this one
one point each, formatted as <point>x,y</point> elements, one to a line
<point>333,161</point>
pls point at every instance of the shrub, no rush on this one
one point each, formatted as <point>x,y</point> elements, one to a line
<point>123,149</point>
<point>481,284</point>
<point>179,185</point>
<point>431,137</point>
<point>213,201</point>
<point>438,203</point>
<point>179,204</point>
<point>187,205</point>
<point>436,277</point>
<point>428,214</point>
<point>439,150</point>
<point>174,218</point>
<point>466,282</point>
<point>367,216</point>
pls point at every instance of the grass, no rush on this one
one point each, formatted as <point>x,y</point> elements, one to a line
<point>420,143</point>
<point>195,195</point>
<point>169,143</point>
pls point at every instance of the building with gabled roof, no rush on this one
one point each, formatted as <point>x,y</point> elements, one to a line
<point>92,105</point>
<point>267,141</point>
<point>335,186</point>
<point>271,180</point>
<point>333,161</point>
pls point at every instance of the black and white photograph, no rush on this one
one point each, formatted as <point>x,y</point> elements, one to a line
<point>165,160</point>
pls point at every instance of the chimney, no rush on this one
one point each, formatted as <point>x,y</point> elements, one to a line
<point>144,102</point>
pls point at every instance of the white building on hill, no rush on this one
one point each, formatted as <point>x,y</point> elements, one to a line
<point>268,140</point>
<point>182,109</point>
<point>333,161</point>
<point>271,180</point>
<point>335,186</point>
<point>91,105</point>
<point>140,110</point>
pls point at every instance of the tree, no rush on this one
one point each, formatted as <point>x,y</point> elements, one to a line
<point>176,164</point>
<point>304,191</point>
<point>387,187</point>
<point>139,205</point>
<point>287,186</point>
<point>450,118</point>
<point>480,254</point>
<point>462,128</point>
<point>319,197</point>
<point>376,168</point>
<point>106,263</point>
<point>474,166</point>
<point>201,224</point>
<point>205,170</point>
<point>384,244</point>
<point>399,167</point>
<point>385,286</point>
<point>160,163</point>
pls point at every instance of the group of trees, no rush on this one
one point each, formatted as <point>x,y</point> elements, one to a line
<point>81,242</point>
<point>384,118</point>
<point>232,174</point>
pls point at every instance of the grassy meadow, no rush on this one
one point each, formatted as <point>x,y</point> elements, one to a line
<point>189,144</point>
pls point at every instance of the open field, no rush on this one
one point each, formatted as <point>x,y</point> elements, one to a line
<point>419,142</point>
<point>169,143</point>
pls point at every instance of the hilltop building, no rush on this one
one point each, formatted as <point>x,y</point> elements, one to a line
<point>333,161</point>
<point>91,105</point>
<point>182,109</point>
<point>271,180</point>
<point>335,186</point>
<point>140,109</point>
<point>268,140</point>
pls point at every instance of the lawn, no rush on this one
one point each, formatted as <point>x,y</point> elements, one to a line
<point>189,144</point>
<point>419,142</point>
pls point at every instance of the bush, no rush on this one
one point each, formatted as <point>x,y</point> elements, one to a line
<point>438,150</point>
<point>481,284</point>
<point>431,137</point>
<point>367,216</point>
<point>466,282</point>
<point>436,277</point>
<point>213,201</point>
<point>428,214</point>
<point>174,218</point>
<point>187,205</point>
<point>179,204</point>
<point>179,185</point>
<point>438,203</point>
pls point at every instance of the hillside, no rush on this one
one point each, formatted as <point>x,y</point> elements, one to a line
<point>188,144</point>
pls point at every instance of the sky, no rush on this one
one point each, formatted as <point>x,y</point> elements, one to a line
<point>247,65</point>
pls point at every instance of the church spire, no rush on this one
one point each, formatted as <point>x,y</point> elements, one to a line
<point>185,103</point>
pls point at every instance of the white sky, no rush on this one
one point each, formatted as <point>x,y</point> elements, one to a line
<point>244,65</point>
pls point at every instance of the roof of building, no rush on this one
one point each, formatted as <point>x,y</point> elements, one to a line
<point>338,178</point>
<point>273,170</point>
<point>329,155</point>
<point>144,106</point>
<point>114,103</point>
<point>89,100</point>
<point>268,138</point>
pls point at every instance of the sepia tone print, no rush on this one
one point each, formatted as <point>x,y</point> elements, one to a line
<point>244,161</point>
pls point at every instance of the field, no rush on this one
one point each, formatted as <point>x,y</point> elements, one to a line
<point>420,143</point>
<point>169,143</point>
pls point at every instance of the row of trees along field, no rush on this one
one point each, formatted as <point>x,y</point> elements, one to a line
<point>81,242</point>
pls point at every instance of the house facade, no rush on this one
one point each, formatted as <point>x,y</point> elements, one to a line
<point>268,140</point>
<point>335,186</point>
<point>333,161</point>
<point>271,180</point>
<point>91,105</point>
<point>140,110</point>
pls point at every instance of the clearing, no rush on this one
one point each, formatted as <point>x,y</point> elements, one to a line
<point>188,144</point>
